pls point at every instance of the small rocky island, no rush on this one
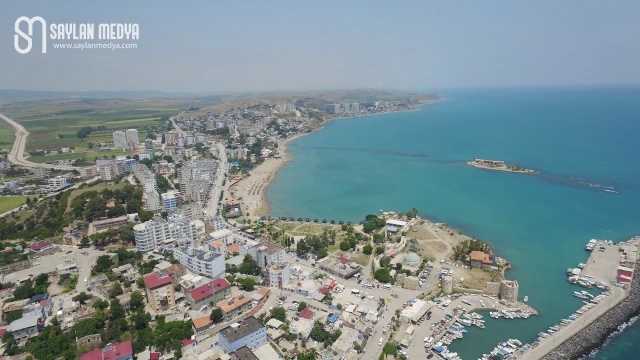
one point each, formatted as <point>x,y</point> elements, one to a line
<point>499,165</point>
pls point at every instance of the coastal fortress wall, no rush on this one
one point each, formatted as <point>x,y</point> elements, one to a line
<point>594,334</point>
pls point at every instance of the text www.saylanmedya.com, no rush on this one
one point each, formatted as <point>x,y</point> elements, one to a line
<point>88,45</point>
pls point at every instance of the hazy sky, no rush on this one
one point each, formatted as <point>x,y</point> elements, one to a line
<point>208,46</point>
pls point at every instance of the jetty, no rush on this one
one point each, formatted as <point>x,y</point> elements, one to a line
<point>499,165</point>
<point>589,326</point>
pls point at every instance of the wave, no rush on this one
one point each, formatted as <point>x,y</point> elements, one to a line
<point>610,338</point>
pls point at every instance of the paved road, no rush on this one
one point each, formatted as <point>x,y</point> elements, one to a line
<point>16,156</point>
<point>223,166</point>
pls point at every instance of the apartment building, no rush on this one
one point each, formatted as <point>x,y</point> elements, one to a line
<point>205,263</point>
<point>249,332</point>
<point>266,253</point>
<point>155,231</point>
<point>159,290</point>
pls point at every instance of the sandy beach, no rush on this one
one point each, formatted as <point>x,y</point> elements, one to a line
<point>253,188</point>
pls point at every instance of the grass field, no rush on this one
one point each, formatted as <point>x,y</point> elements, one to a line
<point>47,121</point>
<point>11,202</point>
<point>98,187</point>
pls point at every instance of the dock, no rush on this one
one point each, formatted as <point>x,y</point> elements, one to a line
<point>594,324</point>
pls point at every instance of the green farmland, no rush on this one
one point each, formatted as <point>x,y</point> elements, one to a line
<point>53,124</point>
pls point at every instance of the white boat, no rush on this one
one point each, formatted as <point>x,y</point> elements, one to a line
<point>526,298</point>
<point>581,265</point>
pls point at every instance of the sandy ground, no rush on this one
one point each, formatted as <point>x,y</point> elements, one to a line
<point>253,188</point>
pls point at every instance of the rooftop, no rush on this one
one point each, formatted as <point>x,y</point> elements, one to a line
<point>480,256</point>
<point>202,322</point>
<point>244,353</point>
<point>306,314</point>
<point>209,289</point>
<point>110,352</point>
<point>267,247</point>
<point>155,280</point>
<point>234,302</point>
<point>237,331</point>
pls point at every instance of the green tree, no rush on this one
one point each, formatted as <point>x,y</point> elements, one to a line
<point>247,284</point>
<point>302,306</point>
<point>344,245</point>
<point>217,315</point>
<point>383,275</point>
<point>82,298</point>
<point>116,289</point>
<point>367,249</point>
<point>390,349</point>
<point>137,300</point>
<point>279,313</point>
<point>379,250</point>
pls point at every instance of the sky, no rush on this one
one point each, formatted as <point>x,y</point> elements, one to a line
<point>224,46</point>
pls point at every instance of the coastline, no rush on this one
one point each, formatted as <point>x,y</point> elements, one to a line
<point>253,188</point>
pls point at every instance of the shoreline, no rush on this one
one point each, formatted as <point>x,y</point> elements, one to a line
<point>253,188</point>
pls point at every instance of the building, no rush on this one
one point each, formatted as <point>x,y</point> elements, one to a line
<point>265,253</point>
<point>26,327</point>
<point>341,267</point>
<point>331,108</point>
<point>105,224</point>
<point>58,182</point>
<point>355,108</point>
<point>39,172</point>
<point>40,246</point>
<point>155,231</point>
<point>115,351</point>
<point>88,172</point>
<point>211,292</point>
<point>132,138</point>
<point>170,138</point>
<point>249,332</point>
<point>218,247</point>
<point>168,201</point>
<point>205,263</point>
<point>119,139</point>
<point>159,290</point>
<point>201,324</point>
<point>411,261</point>
<point>339,349</point>
<point>479,258</point>
<point>67,269</point>
<point>235,305</point>
<point>276,274</point>
<point>244,353</point>
<point>200,138</point>
<point>148,144</point>
<point>224,235</point>
<point>151,202</point>
<point>107,169</point>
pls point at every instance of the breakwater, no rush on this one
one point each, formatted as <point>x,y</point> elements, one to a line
<point>596,333</point>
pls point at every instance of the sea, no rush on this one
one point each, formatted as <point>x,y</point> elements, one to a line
<point>583,141</point>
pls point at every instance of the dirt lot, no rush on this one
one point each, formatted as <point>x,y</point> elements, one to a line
<point>432,249</point>
<point>473,278</point>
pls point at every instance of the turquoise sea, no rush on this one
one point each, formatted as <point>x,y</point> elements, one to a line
<point>582,140</point>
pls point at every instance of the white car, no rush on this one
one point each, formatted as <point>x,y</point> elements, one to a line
<point>380,341</point>
<point>315,344</point>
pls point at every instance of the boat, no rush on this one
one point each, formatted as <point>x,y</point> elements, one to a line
<point>526,298</point>
<point>581,265</point>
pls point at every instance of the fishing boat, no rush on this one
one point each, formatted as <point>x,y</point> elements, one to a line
<point>526,298</point>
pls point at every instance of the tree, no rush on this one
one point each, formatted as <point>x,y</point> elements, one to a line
<point>279,313</point>
<point>116,289</point>
<point>344,245</point>
<point>145,216</point>
<point>82,298</point>
<point>390,348</point>
<point>247,284</point>
<point>137,300</point>
<point>379,250</point>
<point>84,242</point>
<point>217,315</point>
<point>383,275</point>
<point>302,306</point>
<point>116,311</point>
<point>367,249</point>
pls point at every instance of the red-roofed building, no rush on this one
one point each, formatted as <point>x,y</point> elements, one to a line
<point>2,332</point>
<point>213,291</point>
<point>39,246</point>
<point>159,289</point>
<point>115,351</point>
<point>332,284</point>
<point>188,343</point>
<point>306,314</point>
<point>324,290</point>
<point>154,356</point>
<point>343,260</point>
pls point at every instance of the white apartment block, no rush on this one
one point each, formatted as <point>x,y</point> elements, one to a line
<point>119,139</point>
<point>151,202</point>
<point>58,182</point>
<point>132,138</point>
<point>151,233</point>
<point>107,169</point>
<point>205,263</point>
<point>266,253</point>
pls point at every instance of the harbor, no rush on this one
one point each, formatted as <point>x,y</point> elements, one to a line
<point>611,299</point>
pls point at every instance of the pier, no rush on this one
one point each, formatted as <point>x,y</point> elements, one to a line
<point>593,326</point>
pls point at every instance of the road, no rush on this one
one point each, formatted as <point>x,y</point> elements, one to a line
<point>214,195</point>
<point>16,156</point>
<point>176,126</point>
